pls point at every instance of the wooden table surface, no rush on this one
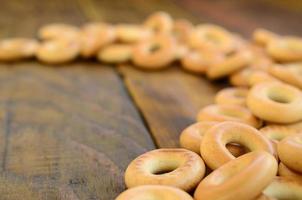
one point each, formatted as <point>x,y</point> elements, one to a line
<point>69,132</point>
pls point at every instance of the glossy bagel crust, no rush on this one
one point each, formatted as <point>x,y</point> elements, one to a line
<point>232,96</point>
<point>243,178</point>
<point>290,152</point>
<point>185,169</point>
<point>213,145</point>
<point>275,102</point>
<point>156,192</point>
<point>284,171</point>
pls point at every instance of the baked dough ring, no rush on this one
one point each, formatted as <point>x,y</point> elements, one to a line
<point>17,48</point>
<point>191,137</point>
<point>212,147</point>
<point>284,188</point>
<point>241,78</point>
<point>155,53</point>
<point>290,151</point>
<point>275,102</point>
<point>159,22</point>
<point>94,36</point>
<point>174,167</point>
<point>243,178</point>
<point>230,64</point>
<point>286,49</point>
<point>222,113</point>
<point>182,29</point>
<point>259,76</point>
<point>58,30</point>
<point>58,51</point>
<point>289,73</point>
<point>130,33</point>
<point>156,192</point>
<point>286,172</point>
<point>232,96</point>
<point>263,36</point>
<point>212,37</point>
<point>115,53</point>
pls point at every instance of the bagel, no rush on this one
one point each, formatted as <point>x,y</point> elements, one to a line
<point>275,102</point>
<point>243,178</point>
<point>191,137</point>
<point>159,22</point>
<point>286,49</point>
<point>155,53</point>
<point>58,51</point>
<point>213,37</point>
<point>12,49</point>
<point>289,73</point>
<point>259,76</point>
<point>230,64</point>
<point>232,96</point>
<point>212,147</point>
<point>115,53</point>
<point>242,77</point>
<point>182,29</point>
<point>222,113</point>
<point>284,188</point>
<point>174,167</point>
<point>94,36</point>
<point>264,37</point>
<point>156,192</point>
<point>130,33</point>
<point>58,30</point>
<point>284,171</point>
<point>290,151</point>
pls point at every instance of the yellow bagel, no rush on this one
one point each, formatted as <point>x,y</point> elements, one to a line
<point>232,96</point>
<point>94,36</point>
<point>182,29</point>
<point>115,53</point>
<point>17,48</point>
<point>159,22</point>
<point>191,137</point>
<point>156,192</point>
<point>230,64</point>
<point>212,147</point>
<point>222,113</point>
<point>174,167</point>
<point>58,30</point>
<point>289,73</point>
<point>130,33</point>
<point>286,49</point>
<point>213,37</point>
<point>286,172</point>
<point>263,36</point>
<point>275,102</point>
<point>155,53</point>
<point>259,76</point>
<point>243,178</point>
<point>242,77</point>
<point>290,152</point>
<point>284,188</point>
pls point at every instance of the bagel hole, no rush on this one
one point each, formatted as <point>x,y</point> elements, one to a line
<point>280,95</point>
<point>163,171</point>
<point>236,149</point>
<point>165,167</point>
<point>154,48</point>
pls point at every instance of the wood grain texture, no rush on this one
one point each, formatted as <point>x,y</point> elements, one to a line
<point>69,127</point>
<point>169,100</point>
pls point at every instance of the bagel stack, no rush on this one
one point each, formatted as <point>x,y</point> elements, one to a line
<point>247,145</point>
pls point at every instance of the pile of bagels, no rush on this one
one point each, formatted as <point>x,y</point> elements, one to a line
<point>246,146</point>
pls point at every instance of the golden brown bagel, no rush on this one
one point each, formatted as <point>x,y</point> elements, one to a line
<point>232,96</point>
<point>286,172</point>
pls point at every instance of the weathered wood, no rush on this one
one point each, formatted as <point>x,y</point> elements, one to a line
<point>69,127</point>
<point>169,100</point>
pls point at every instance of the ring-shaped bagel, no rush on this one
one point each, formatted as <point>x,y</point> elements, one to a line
<point>243,178</point>
<point>290,152</point>
<point>17,48</point>
<point>284,188</point>
<point>159,22</point>
<point>213,145</point>
<point>220,113</point>
<point>191,137</point>
<point>115,53</point>
<point>275,102</point>
<point>154,192</point>
<point>286,49</point>
<point>155,53</point>
<point>284,171</point>
<point>174,167</point>
<point>232,96</point>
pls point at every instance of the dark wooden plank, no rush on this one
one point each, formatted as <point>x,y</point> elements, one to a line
<point>69,127</point>
<point>168,99</point>
<point>66,132</point>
